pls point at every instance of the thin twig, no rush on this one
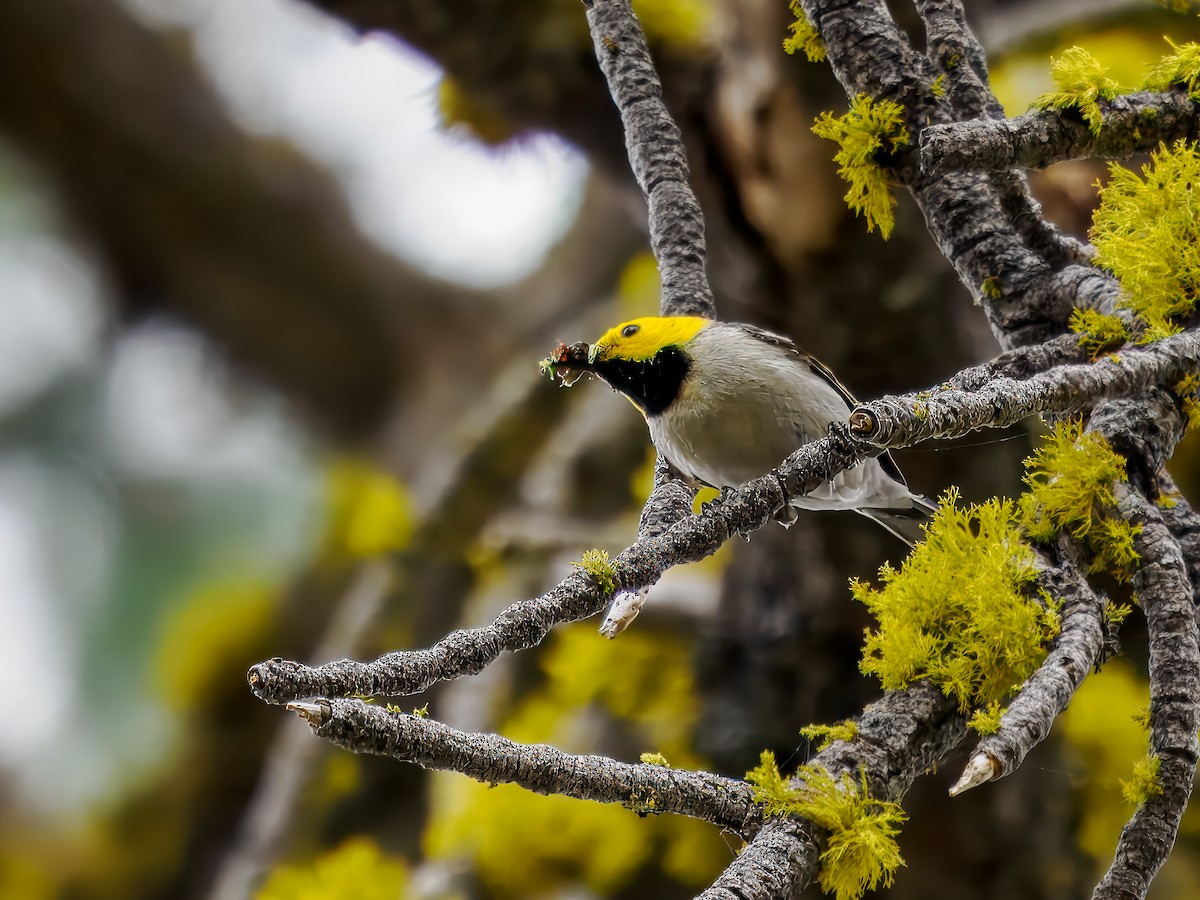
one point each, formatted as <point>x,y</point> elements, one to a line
<point>364,728</point>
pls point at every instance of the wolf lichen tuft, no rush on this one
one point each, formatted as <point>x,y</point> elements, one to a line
<point>824,735</point>
<point>870,127</point>
<point>1097,331</point>
<point>655,759</point>
<point>597,564</point>
<point>1143,782</point>
<point>804,36</point>
<point>1147,233</point>
<point>1187,390</point>
<point>958,611</point>
<point>861,853</point>
<point>1181,68</point>
<point>1082,85</point>
<point>986,719</point>
<point>1070,479</point>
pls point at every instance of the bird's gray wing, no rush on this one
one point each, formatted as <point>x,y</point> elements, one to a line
<point>819,369</point>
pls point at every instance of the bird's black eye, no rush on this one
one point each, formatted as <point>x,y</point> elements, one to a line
<point>630,330</point>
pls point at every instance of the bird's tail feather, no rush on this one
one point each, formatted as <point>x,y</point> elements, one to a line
<point>906,524</point>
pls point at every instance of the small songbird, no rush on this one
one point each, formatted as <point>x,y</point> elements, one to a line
<point>726,403</point>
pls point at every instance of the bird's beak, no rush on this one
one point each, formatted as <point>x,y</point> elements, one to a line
<point>596,351</point>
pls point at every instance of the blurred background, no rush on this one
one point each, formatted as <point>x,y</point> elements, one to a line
<point>275,278</point>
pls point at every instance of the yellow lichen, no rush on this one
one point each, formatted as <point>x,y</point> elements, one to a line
<point>1071,478</point>
<point>1187,390</point>
<point>1082,84</point>
<point>986,720</point>
<point>958,611</point>
<point>824,735</point>
<point>597,565</point>
<point>1143,782</point>
<point>1097,331</point>
<point>861,853</point>
<point>1181,68</point>
<point>870,129</point>
<point>1146,231</point>
<point>804,36</point>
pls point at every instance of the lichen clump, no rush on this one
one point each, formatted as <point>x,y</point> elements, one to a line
<point>1082,85</point>
<point>870,129</point>
<point>804,36</point>
<point>960,611</point>
<point>861,853</point>
<point>1146,231</point>
<point>1071,478</point>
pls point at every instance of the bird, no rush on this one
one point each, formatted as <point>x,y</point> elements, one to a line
<point>727,402</point>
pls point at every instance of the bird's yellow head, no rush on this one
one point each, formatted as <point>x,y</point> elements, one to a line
<point>641,339</point>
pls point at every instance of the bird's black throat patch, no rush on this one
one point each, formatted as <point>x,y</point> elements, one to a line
<point>653,384</point>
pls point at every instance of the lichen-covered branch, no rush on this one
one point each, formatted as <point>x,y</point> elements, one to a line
<point>780,861</point>
<point>1184,522</point>
<point>952,46</point>
<point>1026,300</point>
<point>656,154</point>
<point>1004,401</point>
<point>1133,123</point>
<point>670,501</point>
<point>900,737</point>
<point>1077,649</point>
<point>365,728</point>
<point>1022,362</point>
<point>1165,592</point>
<point>526,623</point>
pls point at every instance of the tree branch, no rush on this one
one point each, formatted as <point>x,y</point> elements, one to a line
<point>1183,521</point>
<point>1074,653</point>
<point>1004,401</point>
<point>1133,123</point>
<point>1162,586</point>
<point>656,154</point>
<point>900,737</point>
<point>1027,302</point>
<point>364,728</point>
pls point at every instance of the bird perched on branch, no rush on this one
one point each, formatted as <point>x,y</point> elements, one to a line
<point>726,403</point>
